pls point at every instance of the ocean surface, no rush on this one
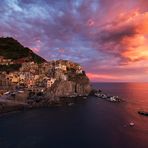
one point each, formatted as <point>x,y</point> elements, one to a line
<point>94,123</point>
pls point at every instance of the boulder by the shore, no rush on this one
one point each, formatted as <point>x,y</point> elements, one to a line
<point>10,106</point>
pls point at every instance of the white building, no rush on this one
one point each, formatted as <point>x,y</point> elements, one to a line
<point>79,70</point>
<point>60,66</point>
<point>22,76</point>
<point>50,82</point>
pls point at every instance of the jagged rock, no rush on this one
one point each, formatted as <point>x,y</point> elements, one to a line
<point>62,89</point>
<point>83,89</point>
<point>58,80</point>
<point>68,88</point>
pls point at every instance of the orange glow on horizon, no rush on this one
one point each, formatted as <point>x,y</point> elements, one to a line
<point>115,77</point>
<point>93,76</point>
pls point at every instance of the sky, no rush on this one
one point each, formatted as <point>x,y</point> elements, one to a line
<point>109,38</point>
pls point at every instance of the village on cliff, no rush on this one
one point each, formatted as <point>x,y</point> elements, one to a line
<point>40,83</point>
<point>32,75</point>
<point>28,80</point>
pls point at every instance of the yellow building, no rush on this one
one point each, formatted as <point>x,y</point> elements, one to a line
<point>15,79</point>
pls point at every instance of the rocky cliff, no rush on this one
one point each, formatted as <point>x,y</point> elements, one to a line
<point>69,88</point>
<point>42,82</point>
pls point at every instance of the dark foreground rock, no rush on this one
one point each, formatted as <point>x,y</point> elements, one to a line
<point>144,113</point>
<point>9,106</point>
<point>99,94</point>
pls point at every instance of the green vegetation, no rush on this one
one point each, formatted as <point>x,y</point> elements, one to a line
<point>10,68</point>
<point>12,49</point>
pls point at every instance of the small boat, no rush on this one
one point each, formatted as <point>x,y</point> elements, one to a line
<point>70,104</point>
<point>21,91</point>
<point>131,123</point>
<point>84,97</point>
<point>112,99</point>
<point>97,94</point>
<point>143,113</point>
<point>104,96</point>
<point>7,93</point>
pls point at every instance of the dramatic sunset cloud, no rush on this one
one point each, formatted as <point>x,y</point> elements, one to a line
<point>109,38</point>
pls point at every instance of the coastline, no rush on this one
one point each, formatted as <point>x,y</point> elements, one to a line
<point>24,102</point>
<point>8,106</point>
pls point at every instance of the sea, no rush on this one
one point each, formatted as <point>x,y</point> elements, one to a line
<point>93,123</point>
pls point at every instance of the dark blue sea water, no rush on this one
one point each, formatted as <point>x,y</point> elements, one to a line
<point>94,123</point>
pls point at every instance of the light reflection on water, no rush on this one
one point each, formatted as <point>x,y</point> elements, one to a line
<point>136,98</point>
<point>94,123</point>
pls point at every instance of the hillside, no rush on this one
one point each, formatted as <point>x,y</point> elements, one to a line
<point>41,83</point>
<point>12,49</point>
